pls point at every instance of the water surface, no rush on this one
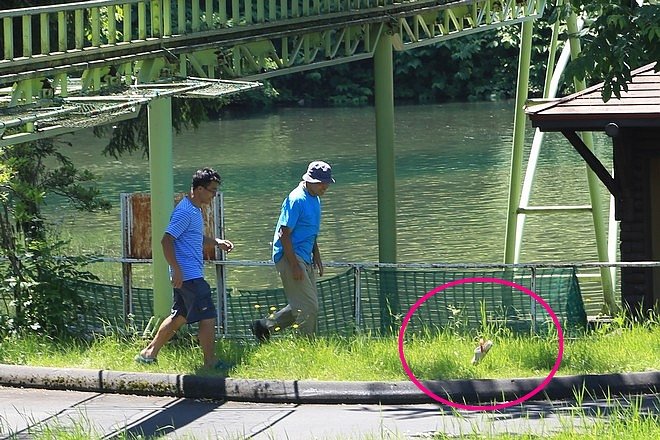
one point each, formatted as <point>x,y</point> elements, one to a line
<point>452,168</point>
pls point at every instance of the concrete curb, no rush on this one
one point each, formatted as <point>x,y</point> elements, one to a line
<point>302,391</point>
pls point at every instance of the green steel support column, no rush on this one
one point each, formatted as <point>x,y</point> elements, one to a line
<point>516,171</point>
<point>594,187</point>
<point>384,101</point>
<point>515,175</point>
<point>552,55</point>
<point>552,74</point>
<point>162,196</point>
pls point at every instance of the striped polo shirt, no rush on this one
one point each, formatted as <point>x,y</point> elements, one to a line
<point>187,228</point>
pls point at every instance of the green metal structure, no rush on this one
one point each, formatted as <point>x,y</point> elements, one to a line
<point>68,66</point>
<point>249,39</point>
<point>162,193</point>
<point>519,189</point>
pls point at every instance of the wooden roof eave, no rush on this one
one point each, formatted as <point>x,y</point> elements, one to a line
<point>582,111</point>
<point>593,122</point>
<point>639,106</point>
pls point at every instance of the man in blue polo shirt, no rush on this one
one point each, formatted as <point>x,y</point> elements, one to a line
<point>183,245</point>
<point>296,254</point>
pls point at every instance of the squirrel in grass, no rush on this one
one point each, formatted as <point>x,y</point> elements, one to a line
<point>481,350</point>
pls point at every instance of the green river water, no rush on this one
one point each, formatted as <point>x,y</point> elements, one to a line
<point>452,176</point>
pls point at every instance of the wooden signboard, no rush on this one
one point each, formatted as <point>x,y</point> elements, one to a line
<point>136,224</point>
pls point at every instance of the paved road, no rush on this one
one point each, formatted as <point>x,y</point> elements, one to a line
<point>24,411</point>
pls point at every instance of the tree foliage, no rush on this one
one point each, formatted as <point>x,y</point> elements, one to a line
<point>618,37</point>
<point>37,284</point>
<point>476,67</point>
<point>132,136</point>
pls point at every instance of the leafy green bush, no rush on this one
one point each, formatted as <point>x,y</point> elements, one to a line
<point>38,290</point>
<point>37,283</point>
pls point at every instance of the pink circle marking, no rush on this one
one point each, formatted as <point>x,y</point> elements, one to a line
<point>498,406</point>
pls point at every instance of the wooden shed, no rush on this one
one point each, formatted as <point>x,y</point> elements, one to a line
<point>633,123</point>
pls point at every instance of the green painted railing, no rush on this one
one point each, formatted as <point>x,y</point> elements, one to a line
<point>75,26</point>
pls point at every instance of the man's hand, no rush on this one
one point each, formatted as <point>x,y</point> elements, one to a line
<point>177,278</point>
<point>297,271</point>
<point>225,245</point>
<point>318,264</point>
<point>316,258</point>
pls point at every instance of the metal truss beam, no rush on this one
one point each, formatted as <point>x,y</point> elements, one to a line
<point>460,20</point>
<point>338,45</point>
<point>320,36</point>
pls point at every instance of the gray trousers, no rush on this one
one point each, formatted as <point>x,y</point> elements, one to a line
<point>303,307</point>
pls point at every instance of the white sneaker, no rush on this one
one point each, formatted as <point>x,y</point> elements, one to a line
<point>481,351</point>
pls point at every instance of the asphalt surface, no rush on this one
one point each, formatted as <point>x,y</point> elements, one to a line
<point>111,403</point>
<point>28,412</point>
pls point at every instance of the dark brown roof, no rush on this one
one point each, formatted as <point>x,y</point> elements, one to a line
<point>586,111</point>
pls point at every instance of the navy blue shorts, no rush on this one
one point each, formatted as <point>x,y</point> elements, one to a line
<point>193,301</point>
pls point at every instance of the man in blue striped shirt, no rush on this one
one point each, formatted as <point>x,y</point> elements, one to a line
<point>183,245</point>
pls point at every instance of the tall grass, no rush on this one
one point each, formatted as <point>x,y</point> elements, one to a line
<point>617,347</point>
<point>614,347</point>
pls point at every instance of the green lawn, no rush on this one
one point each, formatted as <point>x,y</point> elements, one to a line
<point>612,348</point>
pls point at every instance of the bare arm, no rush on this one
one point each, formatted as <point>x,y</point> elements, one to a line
<point>317,258</point>
<point>168,250</point>
<point>289,254</point>
<point>225,245</point>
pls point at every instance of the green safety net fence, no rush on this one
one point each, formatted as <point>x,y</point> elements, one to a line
<point>470,304</point>
<point>106,305</point>
<point>381,299</point>
<point>336,306</point>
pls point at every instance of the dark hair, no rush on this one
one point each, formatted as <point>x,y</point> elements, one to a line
<point>205,176</point>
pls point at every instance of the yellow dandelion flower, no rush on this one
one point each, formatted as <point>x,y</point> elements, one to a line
<point>277,329</point>
<point>273,308</point>
<point>295,326</point>
<point>257,306</point>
